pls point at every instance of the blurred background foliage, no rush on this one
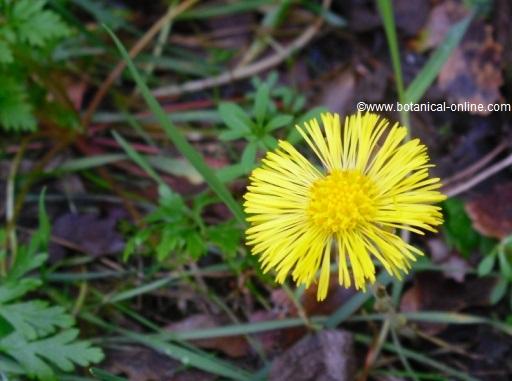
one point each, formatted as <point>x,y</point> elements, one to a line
<point>128,132</point>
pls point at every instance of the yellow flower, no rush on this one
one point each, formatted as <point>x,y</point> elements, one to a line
<point>370,183</point>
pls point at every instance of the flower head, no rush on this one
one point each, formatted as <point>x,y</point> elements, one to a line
<point>368,184</point>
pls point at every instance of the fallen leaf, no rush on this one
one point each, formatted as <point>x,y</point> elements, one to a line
<point>473,74</point>
<point>323,356</point>
<point>494,351</point>
<point>433,292</point>
<point>144,364</point>
<point>233,346</point>
<point>441,18</point>
<point>344,89</point>
<point>90,232</point>
<point>410,15</point>
<point>338,93</point>
<point>336,297</point>
<point>362,15</point>
<point>491,213</point>
<point>501,21</point>
<point>454,266</point>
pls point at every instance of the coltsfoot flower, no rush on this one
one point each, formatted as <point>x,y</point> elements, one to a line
<point>368,184</point>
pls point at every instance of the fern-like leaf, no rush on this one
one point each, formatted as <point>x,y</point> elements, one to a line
<point>62,351</point>
<point>35,25</point>
<point>15,110</point>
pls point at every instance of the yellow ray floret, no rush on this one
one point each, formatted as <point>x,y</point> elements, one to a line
<point>367,183</point>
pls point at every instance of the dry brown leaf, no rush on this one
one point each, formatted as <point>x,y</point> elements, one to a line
<point>324,356</point>
<point>143,364</point>
<point>233,346</point>
<point>491,213</point>
<point>433,292</point>
<point>440,20</point>
<point>454,266</point>
<point>473,72</point>
<point>341,91</point>
<point>411,15</point>
<point>93,233</point>
<point>338,93</point>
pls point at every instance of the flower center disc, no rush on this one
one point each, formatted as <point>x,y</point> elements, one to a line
<point>341,201</point>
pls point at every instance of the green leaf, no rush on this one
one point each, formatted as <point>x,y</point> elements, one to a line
<point>226,236</point>
<point>261,103</point>
<point>30,331</point>
<point>231,172</point>
<point>457,227</point>
<point>235,117</point>
<point>34,25</point>
<point>5,327</point>
<point>169,240</point>
<point>487,264</point>
<point>5,53</point>
<point>25,261</point>
<point>233,135</point>
<point>185,148</point>
<point>15,110</point>
<point>270,142</point>
<point>61,350</point>
<point>505,267</point>
<point>12,290</point>
<point>35,319</point>
<point>249,155</point>
<point>278,121</point>
<point>195,245</point>
<point>32,256</point>
<point>498,292</point>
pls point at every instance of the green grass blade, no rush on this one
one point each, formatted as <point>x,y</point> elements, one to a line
<point>429,72</point>
<point>238,329</point>
<point>197,359</point>
<point>403,359</point>
<point>420,358</point>
<point>457,318</point>
<point>353,304</point>
<point>138,159</point>
<point>103,375</point>
<point>178,139</point>
<point>131,293</point>
<point>83,163</point>
<point>385,8</point>
<point>187,355</point>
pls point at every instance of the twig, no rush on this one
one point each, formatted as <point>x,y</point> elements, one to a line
<point>136,49</point>
<point>469,171</point>
<point>246,71</point>
<point>470,183</point>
